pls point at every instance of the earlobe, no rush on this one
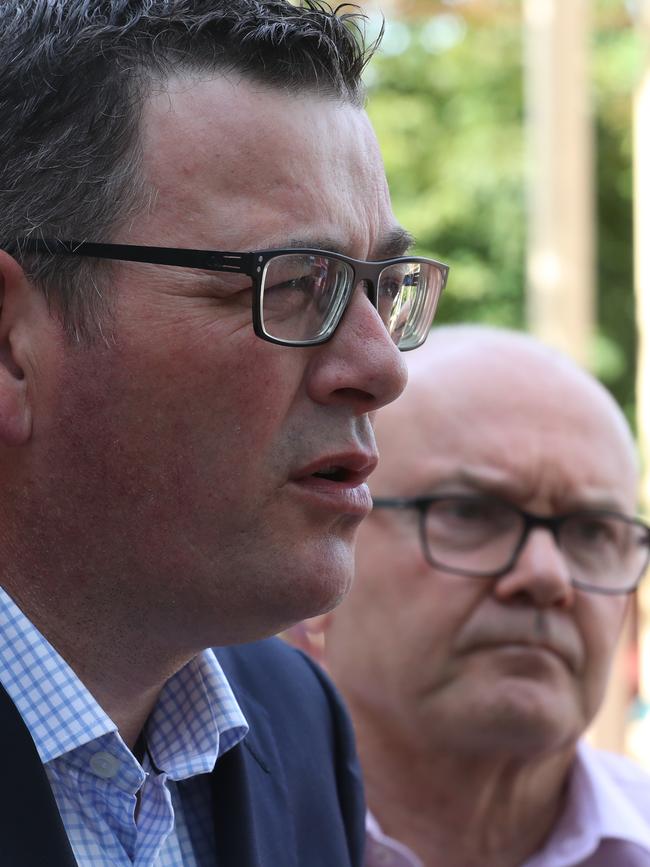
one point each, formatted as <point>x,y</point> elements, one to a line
<point>309,635</point>
<point>15,409</point>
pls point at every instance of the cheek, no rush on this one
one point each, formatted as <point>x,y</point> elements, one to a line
<point>233,391</point>
<point>403,615</point>
<point>388,546</point>
<point>600,620</point>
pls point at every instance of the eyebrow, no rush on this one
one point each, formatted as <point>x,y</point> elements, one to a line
<point>508,489</point>
<point>397,242</point>
<point>483,484</point>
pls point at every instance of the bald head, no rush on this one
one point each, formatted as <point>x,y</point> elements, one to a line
<point>496,392</point>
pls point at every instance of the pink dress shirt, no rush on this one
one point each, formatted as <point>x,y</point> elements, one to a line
<point>606,821</point>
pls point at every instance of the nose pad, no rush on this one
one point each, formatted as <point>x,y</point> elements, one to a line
<point>369,288</point>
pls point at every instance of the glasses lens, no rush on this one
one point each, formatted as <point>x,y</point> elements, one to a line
<point>304,296</point>
<point>474,535</point>
<point>604,550</point>
<point>408,294</point>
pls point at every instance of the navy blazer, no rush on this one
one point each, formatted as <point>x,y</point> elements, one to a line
<point>289,795</point>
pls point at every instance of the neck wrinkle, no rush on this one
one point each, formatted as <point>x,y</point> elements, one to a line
<point>477,811</point>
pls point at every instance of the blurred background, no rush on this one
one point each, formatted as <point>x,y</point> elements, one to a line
<point>516,135</point>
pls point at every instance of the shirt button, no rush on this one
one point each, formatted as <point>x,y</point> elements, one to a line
<point>104,765</point>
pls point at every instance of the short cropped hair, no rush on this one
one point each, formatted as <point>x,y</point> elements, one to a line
<point>73,78</point>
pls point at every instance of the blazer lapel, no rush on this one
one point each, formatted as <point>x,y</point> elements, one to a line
<point>252,819</point>
<point>31,830</point>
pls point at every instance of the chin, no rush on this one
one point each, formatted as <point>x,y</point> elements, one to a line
<point>325,573</point>
<point>319,592</point>
<point>516,719</point>
<point>266,592</point>
<point>524,729</point>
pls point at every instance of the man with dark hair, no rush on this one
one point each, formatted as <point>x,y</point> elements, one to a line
<point>204,292</point>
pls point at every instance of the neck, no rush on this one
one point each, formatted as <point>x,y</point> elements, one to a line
<point>457,810</point>
<point>114,657</point>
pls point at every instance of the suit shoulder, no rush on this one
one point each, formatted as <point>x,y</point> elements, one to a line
<point>274,666</point>
<point>296,715</point>
<point>293,693</point>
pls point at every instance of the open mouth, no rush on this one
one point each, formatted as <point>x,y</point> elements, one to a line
<point>349,470</point>
<point>334,474</point>
<point>338,484</point>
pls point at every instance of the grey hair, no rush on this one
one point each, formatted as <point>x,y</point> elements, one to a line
<point>73,78</point>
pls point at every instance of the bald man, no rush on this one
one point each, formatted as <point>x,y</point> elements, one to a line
<point>492,582</point>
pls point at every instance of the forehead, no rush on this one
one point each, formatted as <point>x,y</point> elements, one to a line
<point>246,165</point>
<point>513,423</point>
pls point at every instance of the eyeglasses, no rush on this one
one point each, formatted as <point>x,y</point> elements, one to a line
<point>299,295</point>
<point>482,537</point>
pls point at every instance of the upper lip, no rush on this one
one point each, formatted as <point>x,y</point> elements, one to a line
<point>356,465</point>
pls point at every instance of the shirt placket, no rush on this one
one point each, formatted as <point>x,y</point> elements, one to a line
<point>155,820</point>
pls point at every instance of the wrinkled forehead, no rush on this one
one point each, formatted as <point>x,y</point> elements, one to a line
<point>523,419</point>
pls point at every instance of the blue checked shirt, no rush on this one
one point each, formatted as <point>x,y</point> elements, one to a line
<point>95,777</point>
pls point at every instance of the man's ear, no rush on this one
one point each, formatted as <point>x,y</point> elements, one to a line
<point>309,635</point>
<point>15,298</point>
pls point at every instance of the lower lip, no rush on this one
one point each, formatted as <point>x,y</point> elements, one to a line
<point>339,497</point>
<point>524,650</point>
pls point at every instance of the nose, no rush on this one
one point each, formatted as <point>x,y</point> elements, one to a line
<point>361,365</point>
<point>540,576</point>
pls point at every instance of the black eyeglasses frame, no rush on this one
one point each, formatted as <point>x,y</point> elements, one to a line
<point>252,264</point>
<point>552,523</point>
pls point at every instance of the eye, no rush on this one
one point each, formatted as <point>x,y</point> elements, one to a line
<point>292,282</point>
<point>472,515</point>
<point>470,523</point>
<point>466,510</point>
<point>594,531</point>
<point>288,295</point>
<point>391,287</point>
<point>290,285</point>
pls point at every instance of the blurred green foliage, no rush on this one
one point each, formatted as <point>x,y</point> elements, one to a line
<point>447,100</point>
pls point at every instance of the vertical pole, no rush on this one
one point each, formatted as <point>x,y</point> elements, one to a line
<point>642,291</point>
<point>560,293</point>
<point>559,128</point>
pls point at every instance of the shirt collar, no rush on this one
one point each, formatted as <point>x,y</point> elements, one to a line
<point>384,850</point>
<point>613,802</point>
<point>195,720</point>
<point>598,807</point>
